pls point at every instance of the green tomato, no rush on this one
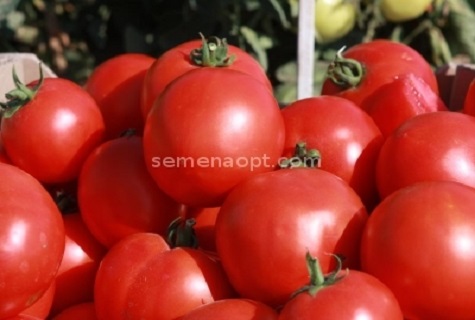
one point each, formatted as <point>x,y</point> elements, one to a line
<point>333,19</point>
<point>403,10</point>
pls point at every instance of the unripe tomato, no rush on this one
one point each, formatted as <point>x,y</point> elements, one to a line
<point>403,10</point>
<point>333,19</point>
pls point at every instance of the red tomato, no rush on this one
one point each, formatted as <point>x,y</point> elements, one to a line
<point>430,146</point>
<point>232,309</point>
<point>469,101</point>
<point>3,153</point>
<point>269,221</point>
<point>346,137</point>
<point>199,141</point>
<point>367,66</point>
<point>31,238</point>
<point>177,61</point>
<point>82,311</point>
<point>116,85</point>
<point>79,265</point>
<point>51,135</point>
<point>397,101</point>
<point>420,242</point>
<point>204,227</point>
<point>156,282</point>
<point>117,196</point>
<point>42,307</point>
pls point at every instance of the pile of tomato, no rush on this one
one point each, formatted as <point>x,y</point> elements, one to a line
<point>177,188</point>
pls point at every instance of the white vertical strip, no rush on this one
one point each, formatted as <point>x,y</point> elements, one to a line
<point>306,48</point>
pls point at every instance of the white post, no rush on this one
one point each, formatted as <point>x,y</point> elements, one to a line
<point>306,48</point>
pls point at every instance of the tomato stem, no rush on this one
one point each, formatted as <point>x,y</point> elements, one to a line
<point>19,96</point>
<point>302,158</point>
<point>213,53</point>
<point>182,234</point>
<point>344,72</point>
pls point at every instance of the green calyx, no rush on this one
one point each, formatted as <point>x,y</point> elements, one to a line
<point>302,158</point>
<point>318,280</point>
<point>181,234</point>
<point>19,96</point>
<point>213,53</point>
<point>346,73</point>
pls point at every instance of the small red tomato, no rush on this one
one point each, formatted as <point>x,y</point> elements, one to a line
<point>116,86</point>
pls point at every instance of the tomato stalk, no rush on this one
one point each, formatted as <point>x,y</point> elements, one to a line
<point>345,72</point>
<point>302,158</point>
<point>213,53</point>
<point>182,234</point>
<point>318,280</point>
<point>19,96</point>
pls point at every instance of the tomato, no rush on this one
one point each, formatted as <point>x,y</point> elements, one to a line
<point>403,98</point>
<point>269,221</point>
<point>82,311</point>
<point>41,308</point>
<point>345,136</point>
<point>403,10</point>
<point>32,240</point>
<point>469,101</point>
<point>54,130</point>
<point>333,19</point>
<point>232,309</point>
<point>117,196</point>
<point>204,226</point>
<point>364,67</point>
<point>349,294</point>
<point>178,60</point>
<point>79,265</point>
<point>419,235</point>
<point>116,86</point>
<point>3,153</point>
<point>430,146</point>
<point>200,139</point>
<point>156,282</point>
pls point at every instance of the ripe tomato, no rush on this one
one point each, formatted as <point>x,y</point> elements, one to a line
<point>399,100</point>
<point>79,265</point>
<point>32,240</point>
<point>333,19</point>
<point>199,142</point>
<point>469,101</point>
<point>117,196</point>
<point>403,10</point>
<point>54,131</point>
<point>232,309</point>
<point>346,137</point>
<point>269,221</point>
<point>116,86</point>
<point>359,71</point>
<point>177,61</point>
<point>419,235</point>
<point>430,146</point>
<point>204,227</point>
<point>82,311</point>
<point>156,282</point>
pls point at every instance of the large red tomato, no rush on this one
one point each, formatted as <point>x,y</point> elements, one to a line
<point>156,282</point>
<point>179,60</point>
<point>359,71</point>
<point>31,240</point>
<point>345,136</point>
<point>116,85</point>
<point>420,242</point>
<point>210,129</point>
<point>53,131</point>
<point>117,196</point>
<point>268,222</point>
<point>430,146</point>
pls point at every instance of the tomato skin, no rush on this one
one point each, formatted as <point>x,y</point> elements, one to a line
<point>358,295</point>
<point>79,265</point>
<point>3,154</point>
<point>176,61</point>
<point>232,309</point>
<point>469,101</point>
<point>117,196</point>
<point>52,134</point>
<point>82,311</point>
<point>272,219</point>
<point>346,137</point>
<point>32,238</point>
<point>403,98</point>
<point>383,61</point>
<point>427,147</point>
<point>141,260</point>
<point>116,86</point>
<point>204,228</point>
<point>42,307</point>
<point>237,133</point>
<point>418,235</point>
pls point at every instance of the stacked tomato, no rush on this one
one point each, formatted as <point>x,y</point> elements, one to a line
<point>176,188</point>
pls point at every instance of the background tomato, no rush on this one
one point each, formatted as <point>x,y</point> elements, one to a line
<point>204,227</point>
<point>419,235</point>
<point>116,86</point>
<point>469,101</point>
<point>31,237</point>
<point>333,19</point>
<point>83,311</point>
<point>403,10</point>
